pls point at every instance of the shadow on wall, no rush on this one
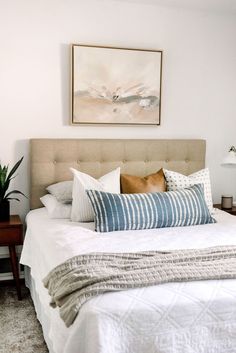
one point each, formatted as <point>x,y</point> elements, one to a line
<point>22,180</point>
<point>65,67</point>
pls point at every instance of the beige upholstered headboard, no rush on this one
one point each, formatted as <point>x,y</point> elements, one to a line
<point>51,159</point>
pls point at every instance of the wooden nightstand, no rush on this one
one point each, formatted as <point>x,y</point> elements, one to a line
<point>11,234</point>
<point>229,210</point>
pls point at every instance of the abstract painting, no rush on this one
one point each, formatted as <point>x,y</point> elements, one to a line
<point>116,85</point>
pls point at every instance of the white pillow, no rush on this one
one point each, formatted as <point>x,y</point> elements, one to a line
<point>82,210</point>
<point>176,181</point>
<point>55,208</point>
<point>62,191</point>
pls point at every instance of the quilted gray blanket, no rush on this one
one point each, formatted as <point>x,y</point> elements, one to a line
<point>82,277</point>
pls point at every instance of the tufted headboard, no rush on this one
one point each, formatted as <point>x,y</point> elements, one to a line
<point>51,159</point>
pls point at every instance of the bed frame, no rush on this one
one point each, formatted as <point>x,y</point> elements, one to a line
<point>51,159</point>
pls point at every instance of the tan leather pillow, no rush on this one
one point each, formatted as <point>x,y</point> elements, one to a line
<point>131,184</point>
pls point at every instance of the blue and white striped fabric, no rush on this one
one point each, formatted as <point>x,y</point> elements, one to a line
<point>184,207</point>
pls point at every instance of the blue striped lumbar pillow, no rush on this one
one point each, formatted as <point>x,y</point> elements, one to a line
<point>183,207</point>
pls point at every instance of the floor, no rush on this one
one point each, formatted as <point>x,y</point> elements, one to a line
<point>20,331</point>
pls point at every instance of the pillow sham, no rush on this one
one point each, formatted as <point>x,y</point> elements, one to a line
<point>131,184</point>
<point>177,181</point>
<point>55,208</point>
<point>81,208</point>
<point>184,207</point>
<point>62,191</point>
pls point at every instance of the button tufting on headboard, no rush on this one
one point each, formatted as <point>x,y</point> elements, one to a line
<point>52,158</point>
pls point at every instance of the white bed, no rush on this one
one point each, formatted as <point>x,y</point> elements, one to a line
<point>171,318</point>
<point>193,317</point>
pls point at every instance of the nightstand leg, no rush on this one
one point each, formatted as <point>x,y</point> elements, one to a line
<point>15,269</point>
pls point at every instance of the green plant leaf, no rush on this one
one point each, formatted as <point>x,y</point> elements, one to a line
<point>14,192</point>
<point>5,180</point>
<point>3,175</point>
<point>13,170</point>
<point>4,188</point>
<point>12,198</point>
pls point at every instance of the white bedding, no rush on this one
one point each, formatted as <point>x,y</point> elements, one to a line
<point>193,317</point>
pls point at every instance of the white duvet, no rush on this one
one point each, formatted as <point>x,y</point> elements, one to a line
<point>193,317</point>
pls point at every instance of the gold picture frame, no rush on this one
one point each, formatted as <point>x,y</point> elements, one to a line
<point>118,86</point>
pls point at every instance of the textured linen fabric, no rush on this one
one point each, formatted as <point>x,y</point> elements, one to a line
<point>55,208</point>
<point>81,207</point>
<point>177,181</point>
<point>183,207</point>
<point>131,184</point>
<point>52,158</point>
<point>62,191</point>
<point>82,277</point>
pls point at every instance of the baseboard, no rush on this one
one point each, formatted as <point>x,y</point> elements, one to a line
<point>8,276</point>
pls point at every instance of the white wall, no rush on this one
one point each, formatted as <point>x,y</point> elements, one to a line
<point>199,75</point>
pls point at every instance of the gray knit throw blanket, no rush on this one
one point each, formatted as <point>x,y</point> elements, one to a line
<point>82,277</point>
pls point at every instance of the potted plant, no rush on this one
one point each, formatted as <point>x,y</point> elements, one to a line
<point>5,196</point>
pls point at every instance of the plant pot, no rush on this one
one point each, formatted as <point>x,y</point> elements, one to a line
<point>4,211</point>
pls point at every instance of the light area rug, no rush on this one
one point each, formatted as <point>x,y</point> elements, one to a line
<point>20,331</point>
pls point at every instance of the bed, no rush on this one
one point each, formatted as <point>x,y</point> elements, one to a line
<point>176,317</point>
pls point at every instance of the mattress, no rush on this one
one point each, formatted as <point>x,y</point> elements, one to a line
<point>169,318</point>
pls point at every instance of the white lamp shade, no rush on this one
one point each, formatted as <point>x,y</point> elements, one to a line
<point>230,158</point>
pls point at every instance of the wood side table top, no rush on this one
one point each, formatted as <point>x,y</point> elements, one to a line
<point>14,221</point>
<point>228,210</point>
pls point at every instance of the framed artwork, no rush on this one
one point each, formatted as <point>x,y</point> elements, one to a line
<point>116,85</point>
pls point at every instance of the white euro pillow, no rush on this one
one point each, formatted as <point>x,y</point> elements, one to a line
<point>55,208</point>
<point>175,181</point>
<point>62,191</point>
<point>82,210</point>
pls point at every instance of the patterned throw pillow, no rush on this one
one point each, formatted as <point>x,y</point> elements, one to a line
<point>184,207</point>
<point>177,181</point>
